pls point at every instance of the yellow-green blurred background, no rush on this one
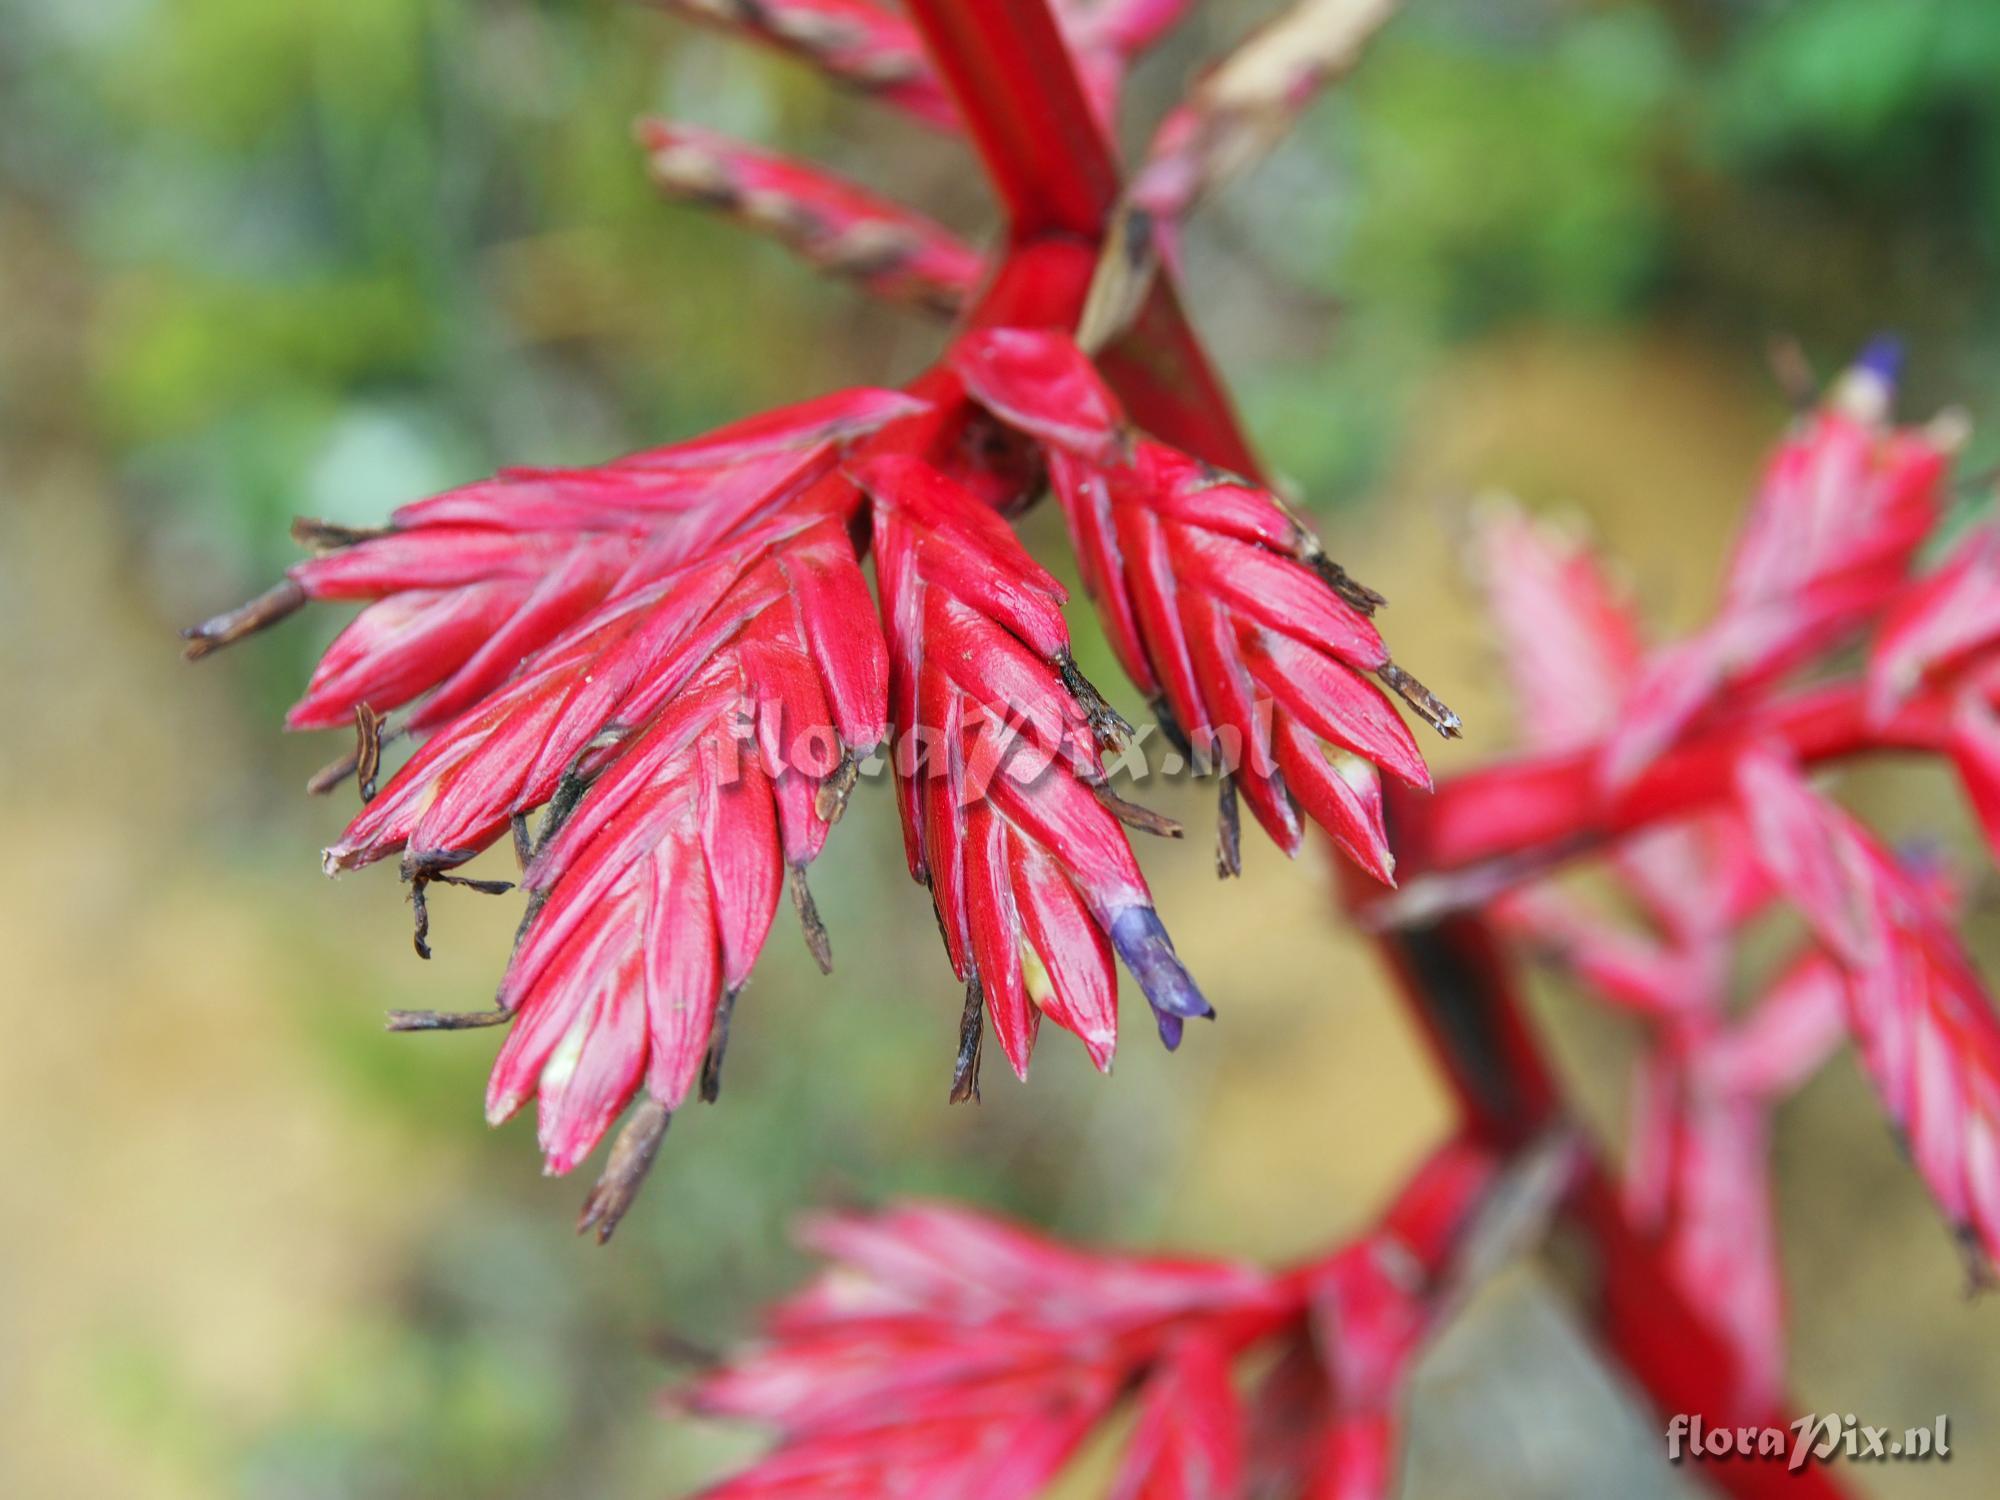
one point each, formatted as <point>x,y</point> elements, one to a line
<point>319,257</point>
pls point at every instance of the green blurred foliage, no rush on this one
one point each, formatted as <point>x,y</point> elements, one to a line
<point>1497,181</point>
<point>1823,169</point>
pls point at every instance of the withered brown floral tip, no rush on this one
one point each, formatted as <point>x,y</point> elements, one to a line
<point>854,42</point>
<point>632,1153</point>
<point>269,607</point>
<point>971,1031</point>
<point>367,749</point>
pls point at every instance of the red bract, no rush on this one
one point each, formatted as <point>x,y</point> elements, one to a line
<point>894,252</point>
<point>1929,1039</point>
<point>1841,511</point>
<point>855,42</point>
<point>1220,605</point>
<point>1938,624</point>
<point>1003,795</point>
<point>947,1353</point>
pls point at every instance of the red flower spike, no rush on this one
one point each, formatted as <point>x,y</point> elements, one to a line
<point>939,1340</point>
<point>1221,606</point>
<point>1929,1039</point>
<point>854,42</point>
<point>949,1353</point>
<point>1568,639</point>
<point>656,894</point>
<point>1189,1441</point>
<point>893,252</point>
<point>1842,508</point>
<point>999,775</point>
<point>1699,1180</point>
<point>1937,623</point>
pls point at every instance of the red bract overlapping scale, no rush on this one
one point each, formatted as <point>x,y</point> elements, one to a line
<point>1929,1039</point>
<point>1221,606</point>
<point>1840,512</point>
<point>944,1352</point>
<point>655,895</point>
<point>1000,780</point>
<point>892,251</point>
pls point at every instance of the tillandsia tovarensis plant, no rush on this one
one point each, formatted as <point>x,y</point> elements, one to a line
<point>660,678</point>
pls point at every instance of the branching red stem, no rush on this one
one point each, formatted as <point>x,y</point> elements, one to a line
<point>1018,92</point>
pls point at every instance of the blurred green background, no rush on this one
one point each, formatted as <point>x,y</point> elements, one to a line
<point>320,257</point>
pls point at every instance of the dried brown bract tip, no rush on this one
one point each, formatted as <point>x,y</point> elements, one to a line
<point>327,536</point>
<point>1351,590</point>
<point>447,1020</point>
<point>1427,705</point>
<point>1134,815</point>
<point>367,748</point>
<point>332,774</point>
<point>420,877</point>
<point>830,801</point>
<point>1228,831</point>
<point>817,942</point>
<point>1110,728</point>
<point>269,607</point>
<point>971,1035</point>
<point>625,1172</point>
<point>718,1046</point>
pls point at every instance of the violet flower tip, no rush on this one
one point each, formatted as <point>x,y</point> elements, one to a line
<point>1142,942</point>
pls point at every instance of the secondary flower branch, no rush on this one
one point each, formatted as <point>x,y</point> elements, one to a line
<point>658,678</point>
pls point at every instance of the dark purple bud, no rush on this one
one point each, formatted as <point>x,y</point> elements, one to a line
<point>1883,358</point>
<point>1149,953</point>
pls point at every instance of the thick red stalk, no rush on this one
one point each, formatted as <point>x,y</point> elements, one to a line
<point>1553,803</point>
<point>1007,65</point>
<point>1019,94</point>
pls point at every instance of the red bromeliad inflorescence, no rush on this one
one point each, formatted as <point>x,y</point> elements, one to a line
<point>673,658</point>
<point>661,677</point>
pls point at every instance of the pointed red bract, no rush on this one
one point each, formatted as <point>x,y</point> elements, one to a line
<point>999,773</point>
<point>854,42</point>
<point>1568,638</point>
<point>1841,510</point>
<point>1188,1444</point>
<point>656,894</point>
<point>1937,623</point>
<point>1929,1039</point>
<point>893,252</point>
<point>1218,602</point>
<point>944,1352</point>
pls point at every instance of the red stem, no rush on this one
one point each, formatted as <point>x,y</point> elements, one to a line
<point>1005,62</point>
<point>1553,803</point>
<point>1018,92</point>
